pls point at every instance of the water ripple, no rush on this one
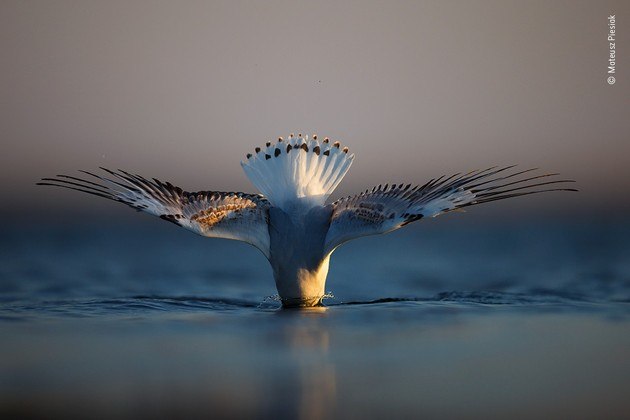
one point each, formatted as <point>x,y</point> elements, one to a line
<point>145,305</point>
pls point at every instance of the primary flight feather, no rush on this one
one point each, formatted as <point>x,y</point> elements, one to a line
<point>290,222</point>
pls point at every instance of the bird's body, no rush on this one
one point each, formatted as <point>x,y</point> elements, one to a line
<point>290,222</point>
<point>298,257</point>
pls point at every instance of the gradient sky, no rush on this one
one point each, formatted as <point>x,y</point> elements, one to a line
<point>182,90</point>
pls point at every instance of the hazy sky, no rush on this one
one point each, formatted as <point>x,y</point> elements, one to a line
<point>182,90</point>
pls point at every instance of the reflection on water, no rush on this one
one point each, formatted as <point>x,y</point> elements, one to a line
<point>308,345</point>
<point>420,360</point>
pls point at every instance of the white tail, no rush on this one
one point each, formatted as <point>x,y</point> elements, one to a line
<point>297,168</point>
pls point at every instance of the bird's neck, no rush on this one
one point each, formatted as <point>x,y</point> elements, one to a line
<point>301,286</point>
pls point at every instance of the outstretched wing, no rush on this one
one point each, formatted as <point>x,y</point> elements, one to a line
<point>389,207</point>
<point>230,215</point>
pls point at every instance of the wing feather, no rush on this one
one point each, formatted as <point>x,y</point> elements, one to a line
<point>391,207</point>
<point>230,215</point>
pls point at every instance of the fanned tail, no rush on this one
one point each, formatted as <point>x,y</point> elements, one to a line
<point>297,169</point>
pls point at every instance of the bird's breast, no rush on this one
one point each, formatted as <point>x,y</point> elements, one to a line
<point>298,239</point>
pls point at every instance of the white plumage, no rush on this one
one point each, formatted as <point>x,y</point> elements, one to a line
<point>283,174</point>
<point>290,222</point>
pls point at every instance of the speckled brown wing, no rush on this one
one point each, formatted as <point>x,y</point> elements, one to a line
<point>389,207</point>
<point>230,215</point>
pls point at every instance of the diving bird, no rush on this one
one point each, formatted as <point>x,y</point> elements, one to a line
<point>290,222</point>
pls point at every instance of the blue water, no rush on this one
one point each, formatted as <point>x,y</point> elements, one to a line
<point>442,319</point>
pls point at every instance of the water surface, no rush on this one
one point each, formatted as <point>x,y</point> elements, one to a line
<point>439,320</point>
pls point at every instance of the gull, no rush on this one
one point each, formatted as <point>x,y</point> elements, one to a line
<point>291,222</point>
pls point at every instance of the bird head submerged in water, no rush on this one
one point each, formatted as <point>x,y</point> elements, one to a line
<point>290,222</point>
